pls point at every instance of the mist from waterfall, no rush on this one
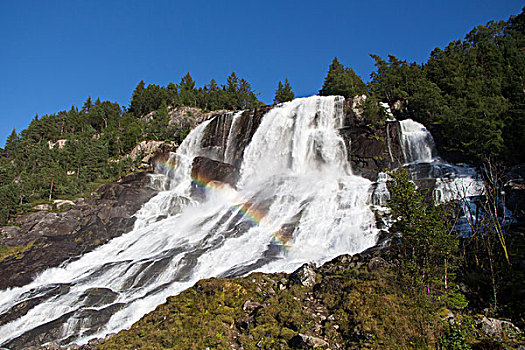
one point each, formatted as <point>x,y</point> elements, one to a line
<point>296,201</point>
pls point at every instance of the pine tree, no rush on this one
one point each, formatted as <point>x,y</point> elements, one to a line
<point>187,93</point>
<point>87,105</point>
<point>284,92</point>
<point>137,105</point>
<point>342,81</point>
<point>246,97</point>
<point>11,144</point>
<point>428,248</point>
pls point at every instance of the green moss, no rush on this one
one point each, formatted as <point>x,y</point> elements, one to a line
<point>350,307</point>
<point>16,251</point>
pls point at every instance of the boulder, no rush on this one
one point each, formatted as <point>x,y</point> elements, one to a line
<point>305,275</point>
<point>500,329</point>
<point>146,151</point>
<point>306,341</point>
<point>249,306</point>
<point>377,263</point>
<point>46,207</point>
<point>59,203</point>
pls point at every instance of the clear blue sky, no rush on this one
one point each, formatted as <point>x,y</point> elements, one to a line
<point>57,53</point>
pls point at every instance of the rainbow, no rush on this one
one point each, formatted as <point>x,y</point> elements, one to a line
<point>227,192</point>
<point>166,165</point>
<point>247,209</point>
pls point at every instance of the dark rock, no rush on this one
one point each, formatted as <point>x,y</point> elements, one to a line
<point>52,331</point>
<point>342,263</point>
<point>306,341</point>
<point>515,191</point>
<point>26,222</point>
<point>371,150</point>
<point>385,240</point>
<point>23,307</point>
<point>205,170</point>
<point>377,263</point>
<point>216,134</point>
<point>245,323</point>
<point>53,238</point>
<point>304,275</point>
<point>96,297</point>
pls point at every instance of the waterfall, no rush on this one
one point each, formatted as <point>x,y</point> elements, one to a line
<point>296,201</point>
<point>231,143</point>
<point>452,182</point>
<point>460,183</point>
<point>416,141</point>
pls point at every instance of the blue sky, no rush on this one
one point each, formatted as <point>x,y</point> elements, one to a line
<point>55,54</point>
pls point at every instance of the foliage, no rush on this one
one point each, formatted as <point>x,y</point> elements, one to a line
<point>6,251</point>
<point>284,92</point>
<point>341,80</point>
<point>236,94</point>
<point>349,307</point>
<point>428,249</point>
<point>455,338</point>
<point>470,94</point>
<point>373,113</point>
<point>62,154</point>
<point>492,256</point>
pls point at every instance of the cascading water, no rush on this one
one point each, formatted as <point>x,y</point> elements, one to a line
<point>417,142</point>
<point>453,182</point>
<point>460,183</point>
<point>296,201</point>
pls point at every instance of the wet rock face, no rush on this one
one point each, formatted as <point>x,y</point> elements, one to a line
<point>51,238</point>
<point>371,150</point>
<point>514,188</point>
<point>205,170</point>
<point>218,131</point>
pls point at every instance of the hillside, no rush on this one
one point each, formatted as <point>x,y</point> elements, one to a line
<point>231,189</point>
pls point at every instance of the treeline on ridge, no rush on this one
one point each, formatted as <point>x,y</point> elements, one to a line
<point>94,140</point>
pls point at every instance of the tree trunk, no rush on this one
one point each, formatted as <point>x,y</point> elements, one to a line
<point>51,189</point>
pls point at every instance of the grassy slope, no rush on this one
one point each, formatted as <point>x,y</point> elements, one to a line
<point>348,307</point>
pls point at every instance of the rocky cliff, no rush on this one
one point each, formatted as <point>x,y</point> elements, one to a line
<point>46,239</point>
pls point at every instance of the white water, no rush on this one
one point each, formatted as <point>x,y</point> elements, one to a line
<point>460,183</point>
<point>416,141</point>
<point>305,205</point>
<point>231,142</point>
<point>453,182</point>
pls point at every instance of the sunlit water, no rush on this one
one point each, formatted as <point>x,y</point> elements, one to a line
<point>296,201</point>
